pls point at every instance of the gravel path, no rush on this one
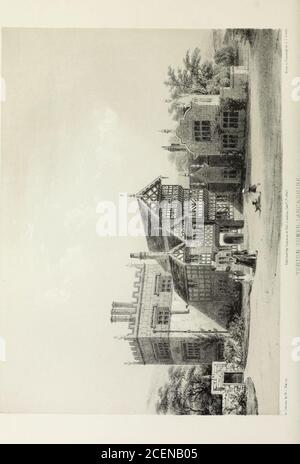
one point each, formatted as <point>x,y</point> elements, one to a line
<point>262,230</point>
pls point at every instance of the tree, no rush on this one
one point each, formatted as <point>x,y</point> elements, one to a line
<point>194,78</point>
<point>221,78</point>
<point>207,70</point>
<point>188,391</point>
<point>236,401</point>
<point>225,56</point>
<point>184,80</point>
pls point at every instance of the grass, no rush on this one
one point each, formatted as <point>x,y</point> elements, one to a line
<point>237,344</point>
<point>247,286</point>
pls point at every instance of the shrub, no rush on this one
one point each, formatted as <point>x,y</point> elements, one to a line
<point>232,104</point>
<point>225,56</point>
<point>233,345</point>
<point>236,402</point>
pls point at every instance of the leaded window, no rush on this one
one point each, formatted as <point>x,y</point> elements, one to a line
<point>231,119</point>
<point>230,141</point>
<point>202,131</point>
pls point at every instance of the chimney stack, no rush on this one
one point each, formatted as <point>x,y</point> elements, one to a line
<point>148,255</point>
<point>122,312</point>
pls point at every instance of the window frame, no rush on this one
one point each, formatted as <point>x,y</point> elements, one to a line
<point>191,350</point>
<point>162,316</point>
<point>228,141</point>
<point>162,350</point>
<point>202,130</point>
<point>230,119</point>
<point>166,284</point>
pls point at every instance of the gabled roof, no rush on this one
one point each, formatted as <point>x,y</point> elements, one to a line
<point>178,271</point>
<point>158,238</point>
<point>151,192</point>
<point>179,252</point>
<point>211,309</point>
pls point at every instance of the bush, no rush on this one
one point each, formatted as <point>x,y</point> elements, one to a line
<point>231,104</point>
<point>225,56</point>
<point>233,345</point>
<point>221,78</point>
<point>236,402</point>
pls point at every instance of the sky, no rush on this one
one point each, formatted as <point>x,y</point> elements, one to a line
<point>80,125</point>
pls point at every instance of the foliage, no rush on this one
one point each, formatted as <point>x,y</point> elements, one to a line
<point>244,35</point>
<point>236,402</point>
<point>183,80</point>
<point>225,56</point>
<point>233,346</point>
<point>221,78</point>
<point>188,391</point>
<point>208,70</point>
<point>236,161</point>
<point>232,104</point>
<point>194,78</point>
